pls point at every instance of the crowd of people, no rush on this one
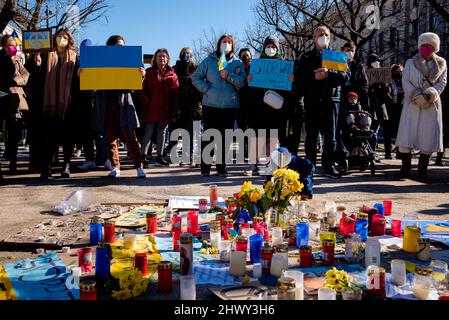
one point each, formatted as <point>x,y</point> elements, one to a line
<point>43,95</point>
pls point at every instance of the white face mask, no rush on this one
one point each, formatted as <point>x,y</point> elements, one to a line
<point>375,64</point>
<point>271,52</point>
<point>121,43</point>
<point>323,42</point>
<point>226,47</point>
<point>62,42</point>
<point>350,55</point>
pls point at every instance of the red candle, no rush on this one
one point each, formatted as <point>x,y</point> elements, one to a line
<point>376,280</point>
<point>305,257</point>
<point>88,290</point>
<point>265,258</point>
<point>228,224</point>
<point>152,222</point>
<point>85,259</point>
<point>347,224</point>
<point>396,228</point>
<point>328,251</point>
<point>141,263</point>
<point>192,222</point>
<point>165,277</point>
<point>388,207</point>
<point>378,225</point>
<point>109,231</point>
<point>241,244</point>
<point>244,226</point>
<point>176,230</point>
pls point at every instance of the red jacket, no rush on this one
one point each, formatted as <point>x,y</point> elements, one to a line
<point>160,90</point>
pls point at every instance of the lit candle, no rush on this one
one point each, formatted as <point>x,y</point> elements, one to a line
<point>278,265</point>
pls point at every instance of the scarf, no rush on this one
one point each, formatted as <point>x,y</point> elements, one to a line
<point>436,67</point>
<point>58,82</point>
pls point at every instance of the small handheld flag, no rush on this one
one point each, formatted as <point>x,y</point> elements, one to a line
<point>222,63</point>
<point>335,60</point>
<point>16,38</point>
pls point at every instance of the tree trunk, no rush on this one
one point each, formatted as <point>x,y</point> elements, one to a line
<point>7,13</point>
<point>440,9</point>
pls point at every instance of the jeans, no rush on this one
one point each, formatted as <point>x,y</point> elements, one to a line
<point>321,118</point>
<point>150,128</point>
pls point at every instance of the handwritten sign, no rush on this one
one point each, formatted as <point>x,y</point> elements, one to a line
<point>271,74</point>
<point>37,41</point>
<point>335,60</point>
<point>378,75</point>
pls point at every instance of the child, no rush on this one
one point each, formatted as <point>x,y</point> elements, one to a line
<point>355,121</point>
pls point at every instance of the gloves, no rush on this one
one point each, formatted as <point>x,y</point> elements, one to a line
<point>421,101</point>
<point>432,94</point>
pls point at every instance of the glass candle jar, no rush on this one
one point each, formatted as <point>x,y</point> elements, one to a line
<point>411,239</point>
<point>352,293</point>
<point>265,258</point>
<point>353,248</point>
<point>361,226</point>
<point>327,294</point>
<point>378,225</point>
<point>224,249</point>
<point>398,272</point>
<point>238,263</point>
<point>328,252</point>
<point>276,236</point>
<point>109,231</point>
<point>228,224</point>
<point>141,263</point>
<point>85,259</point>
<point>302,234</point>
<point>380,208</point>
<point>151,222</point>
<point>192,222</point>
<point>396,228</point>
<point>241,244</point>
<point>372,252</point>
<point>255,244</point>
<point>388,207</point>
<point>439,273</point>
<point>305,257</point>
<point>286,288</point>
<point>298,276</point>
<point>96,230</point>
<point>257,270</point>
<point>248,232</point>
<point>422,282</point>
<point>129,241</point>
<point>215,233</point>
<point>423,249</point>
<point>376,281</point>
<point>188,287</point>
<point>165,276</point>
<point>88,290</point>
<point>278,265</point>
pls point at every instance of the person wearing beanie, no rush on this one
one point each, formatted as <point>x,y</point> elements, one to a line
<point>264,117</point>
<point>421,127</point>
<point>378,94</point>
<point>321,89</point>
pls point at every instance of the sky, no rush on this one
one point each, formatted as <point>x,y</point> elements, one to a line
<point>171,24</point>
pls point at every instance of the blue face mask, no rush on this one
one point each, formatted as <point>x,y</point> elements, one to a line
<point>186,57</point>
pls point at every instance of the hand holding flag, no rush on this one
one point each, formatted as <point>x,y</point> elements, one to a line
<point>222,63</point>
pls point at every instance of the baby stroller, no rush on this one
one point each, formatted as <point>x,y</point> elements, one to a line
<point>354,137</point>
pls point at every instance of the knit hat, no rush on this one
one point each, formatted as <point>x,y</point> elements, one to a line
<point>373,58</point>
<point>271,40</point>
<point>429,38</point>
<point>352,94</point>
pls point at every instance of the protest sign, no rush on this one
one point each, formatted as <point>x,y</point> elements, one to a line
<point>335,60</point>
<point>378,75</point>
<point>271,74</point>
<point>37,40</point>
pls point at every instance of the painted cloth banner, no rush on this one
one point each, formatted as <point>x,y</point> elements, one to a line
<point>111,68</point>
<point>6,290</point>
<point>271,74</point>
<point>431,229</point>
<point>37,40</point>
<point>137,217</point>
<point>335,60</point>
<point>44,278</point>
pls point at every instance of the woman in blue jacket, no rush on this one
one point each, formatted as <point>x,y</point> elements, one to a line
<point>220,97</point>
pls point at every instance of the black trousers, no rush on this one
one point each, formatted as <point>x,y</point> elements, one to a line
<point>321,118</point>
<point>57,132</point>
<point>219,119</point>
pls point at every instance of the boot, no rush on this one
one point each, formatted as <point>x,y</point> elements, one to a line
<point>406,165</point>
<point>388,151</point>
<point>422,166</point>
<point>66,171</point>
<point>46,173</point>
<point>439,160</point>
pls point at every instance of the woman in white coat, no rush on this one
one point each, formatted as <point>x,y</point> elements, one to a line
<point>421,126</point>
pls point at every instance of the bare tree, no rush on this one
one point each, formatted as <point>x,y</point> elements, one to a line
<point>31,14</point>
<point>440,8</point>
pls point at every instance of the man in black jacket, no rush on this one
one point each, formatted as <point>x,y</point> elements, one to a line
<point>321,89</point>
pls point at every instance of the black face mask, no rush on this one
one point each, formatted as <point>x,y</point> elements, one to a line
<point>397,76</point>
<point>246,59</point>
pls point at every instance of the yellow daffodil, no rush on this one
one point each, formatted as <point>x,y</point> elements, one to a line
<point>255,196</point>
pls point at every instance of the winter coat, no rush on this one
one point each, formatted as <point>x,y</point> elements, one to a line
<point>358,83</point>
<point>317,92</point>
<point>160,89</point>
<point>421,125</point>
<point>13,78</point>
<point>379,94</point>
<point>218,92</point>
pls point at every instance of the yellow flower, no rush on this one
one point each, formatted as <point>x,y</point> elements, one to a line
<point>246,186</point>
<point>269,185</point>
<point>255,196</point>
<point>331,274</point>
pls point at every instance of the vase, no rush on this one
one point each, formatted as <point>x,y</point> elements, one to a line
<point>276,218</point>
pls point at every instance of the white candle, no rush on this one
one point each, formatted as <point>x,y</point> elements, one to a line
<point>129,241</point>
<point>257,270</point>
<point>215,239</point>
<point>327,294</point>
<point>238,263</point>
<point>224,248</point>
<point>278,265</point>
<point>299,279</point>
<point>276,236</point>
<point>398,272</point>
<point>188,288</point>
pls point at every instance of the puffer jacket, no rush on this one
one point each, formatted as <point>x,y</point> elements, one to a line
<point>218,92</point>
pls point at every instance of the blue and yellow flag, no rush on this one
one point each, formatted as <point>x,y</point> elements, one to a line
<point>222,63</point>
<point>16,38</point>
<point>335,60</point>
<point>111,68</point>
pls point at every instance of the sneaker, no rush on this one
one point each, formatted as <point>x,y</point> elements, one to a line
<point>115,173</point>
<point>141,173</point>
<point>87,166</point>
<point>161,161</point>
<point>108,165</point>
<point>77,153</point>
<point>332,172</point>
<point>66,172</point>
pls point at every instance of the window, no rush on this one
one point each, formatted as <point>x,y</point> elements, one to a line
<point>393,37</point>
<point>415,28</point>
<point>381,42</point>
<point>433,22</point>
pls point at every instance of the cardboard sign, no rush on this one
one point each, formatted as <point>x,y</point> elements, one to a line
<point>37,41</point>
<point>335,60</point>
<point>378,75</point>
<point>271,74</point>
<point>111,68</point>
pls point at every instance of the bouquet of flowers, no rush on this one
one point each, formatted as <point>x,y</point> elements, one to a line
<point>131,284</point>
<point>249,199</point>
<point>337,280</point>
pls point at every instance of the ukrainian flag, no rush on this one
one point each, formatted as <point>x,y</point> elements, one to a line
<point>111,68</point>
<point>222,63</point>
<point>334,60</point>
<point>16,38</point>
